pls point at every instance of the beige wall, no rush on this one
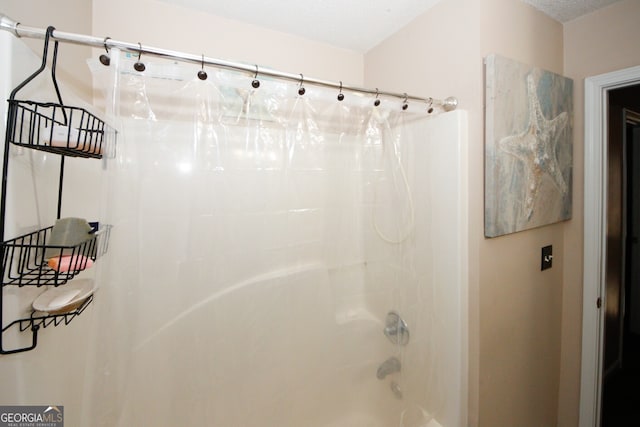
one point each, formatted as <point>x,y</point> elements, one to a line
<point>515,309</point>
<point>597,43</point>
<point>66,15</point>
<point>165,25</point>
<point>520,306</point>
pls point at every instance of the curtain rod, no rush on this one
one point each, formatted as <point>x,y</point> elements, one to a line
<point>20,30</point>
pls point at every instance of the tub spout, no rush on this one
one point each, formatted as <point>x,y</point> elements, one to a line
<point>389,366</point>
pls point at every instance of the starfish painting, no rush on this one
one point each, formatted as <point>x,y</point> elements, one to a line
<point>535,147</point>
<point>528,146</point>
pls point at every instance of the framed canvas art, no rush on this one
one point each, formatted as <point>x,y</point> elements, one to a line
<point>528,146</point>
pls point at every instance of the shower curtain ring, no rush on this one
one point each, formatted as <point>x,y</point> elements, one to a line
<point>202,74</point>
<point>301,89</point>
<point>256,83</point>
<point>104,58</point>
<point>430,108</point>
<point>340,95</point>
<point>139,66</point>
<point>377,101</point>
<point>405,105</point>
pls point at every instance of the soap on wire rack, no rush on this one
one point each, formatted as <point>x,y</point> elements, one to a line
<point>65,137</point>
<point>66,298</point>
<point>66,263</point>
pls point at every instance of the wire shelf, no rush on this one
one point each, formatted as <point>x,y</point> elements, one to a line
<point>31,259</point>
<point>39,319</point>
<point>56,128</point>
<point>26,260</point>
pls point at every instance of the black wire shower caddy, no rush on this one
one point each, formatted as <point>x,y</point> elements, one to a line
<point>69,132</point>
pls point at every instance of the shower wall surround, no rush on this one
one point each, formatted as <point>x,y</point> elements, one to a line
<point>259,240</point>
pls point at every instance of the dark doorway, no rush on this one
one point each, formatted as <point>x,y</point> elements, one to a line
<point>621,364</point>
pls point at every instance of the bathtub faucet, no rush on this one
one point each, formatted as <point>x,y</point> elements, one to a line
<point>389,366</point>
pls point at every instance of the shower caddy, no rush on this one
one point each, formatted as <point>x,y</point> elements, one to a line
<point>63,130</point>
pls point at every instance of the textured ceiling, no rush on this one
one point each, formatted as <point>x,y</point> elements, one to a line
<point>568,10</point>
<point>357,25</point>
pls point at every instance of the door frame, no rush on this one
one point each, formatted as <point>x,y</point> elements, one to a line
<point>595,226</point>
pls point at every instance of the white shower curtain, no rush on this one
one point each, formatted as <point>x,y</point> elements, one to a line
<point>259,239</point>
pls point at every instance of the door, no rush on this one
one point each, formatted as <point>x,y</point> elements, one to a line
<point>597,89</point>
<point>622,256</point>
<point>614,261</point>
<point>633,223</point>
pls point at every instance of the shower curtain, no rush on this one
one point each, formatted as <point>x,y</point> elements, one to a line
<point>260,237</point>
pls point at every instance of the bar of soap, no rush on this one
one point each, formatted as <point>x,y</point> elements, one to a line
<point>69,263</point>
<point>65,137</point>
<point>59,136</point>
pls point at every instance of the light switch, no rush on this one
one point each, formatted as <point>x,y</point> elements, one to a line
<point>546,258</point>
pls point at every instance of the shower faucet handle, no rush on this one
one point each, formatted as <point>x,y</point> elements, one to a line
<point>389,366</point>
<point>396,329</point>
